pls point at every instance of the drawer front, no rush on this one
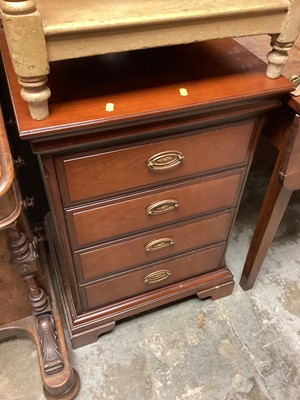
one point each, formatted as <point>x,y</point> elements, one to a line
<point>156,276</point>
<point>144,249</point>
<point>98,223</point>
<point>95,175</point>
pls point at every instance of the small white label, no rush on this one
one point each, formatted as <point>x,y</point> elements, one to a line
<point>109,107</point>
<point>183,92</point>
<point>296,92</point>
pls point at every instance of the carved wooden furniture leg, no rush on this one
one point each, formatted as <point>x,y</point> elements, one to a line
<point>59,379</point>
<point>27,46</point>
<point>44,325</point>
<point>283,42</point>
<point>23,257</point>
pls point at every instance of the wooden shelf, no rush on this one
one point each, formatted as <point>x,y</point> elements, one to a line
<point>94,15</point>
<point>93,27</point>
<point>42,31</point>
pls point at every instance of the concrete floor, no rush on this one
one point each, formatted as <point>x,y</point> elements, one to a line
<point>243,347</point>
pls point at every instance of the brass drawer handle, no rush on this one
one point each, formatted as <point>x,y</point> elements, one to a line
<point>162,207</point>
<point>159,244</point>
<point>157,276</point>
<point>165,160</point>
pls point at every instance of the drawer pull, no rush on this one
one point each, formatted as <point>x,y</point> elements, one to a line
<point>165,160</point>
<point>157,276</point>
<point>162,207</point>
<point>159,244</point>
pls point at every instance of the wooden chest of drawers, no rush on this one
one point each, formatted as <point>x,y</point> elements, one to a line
<point>144,176</point>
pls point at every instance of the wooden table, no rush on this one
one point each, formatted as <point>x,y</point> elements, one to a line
<point>41,31</point>
<point>144,163</point>
<point>32,312</point>
<point>283,129</point>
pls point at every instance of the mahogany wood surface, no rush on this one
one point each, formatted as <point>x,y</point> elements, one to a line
<point>203,119</point>
<point>99,222</point>
<point>102,260</point>
<point>211,100</point>
<point>132,284</point>
<point>144,85</point>
<point>203,152</point>
<point>291,162</point>
<point>41,31</point>
<point>217,284</point>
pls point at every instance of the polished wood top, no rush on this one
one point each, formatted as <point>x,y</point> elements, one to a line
<point>125,88</point>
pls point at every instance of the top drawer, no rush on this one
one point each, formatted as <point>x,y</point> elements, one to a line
<point>97,174</point>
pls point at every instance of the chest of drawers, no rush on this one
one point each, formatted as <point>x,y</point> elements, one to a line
<point>145,176</point>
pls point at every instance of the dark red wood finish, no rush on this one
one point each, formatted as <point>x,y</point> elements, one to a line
<point>95,168</point>
<point>131,284</point>
<point>129,165</point>
<point>144,85</point>
<point>99,261</point>
<point>99,222</point>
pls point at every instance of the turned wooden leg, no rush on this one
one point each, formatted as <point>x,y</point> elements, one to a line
<point>277,57</point>
<point>273,208</point>
<point>284,41</point>
<point>24,258</point>
<point>36,93</point>
<point>26,42</point>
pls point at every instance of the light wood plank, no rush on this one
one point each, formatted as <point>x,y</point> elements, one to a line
<point>79,16</point>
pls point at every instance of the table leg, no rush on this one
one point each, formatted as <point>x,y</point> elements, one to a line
<point>26,41</point>
<point>273,208</point>
<point>284,41</point>
<point>277,57</point>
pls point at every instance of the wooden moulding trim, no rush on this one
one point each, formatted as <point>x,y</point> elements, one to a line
<point>59,141</point>
<point>252,103</point>
<point>255,102</point>
<point>60,244</point>
<point>150,300</point>
<point>93,208</point>
<point>90,115</point>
